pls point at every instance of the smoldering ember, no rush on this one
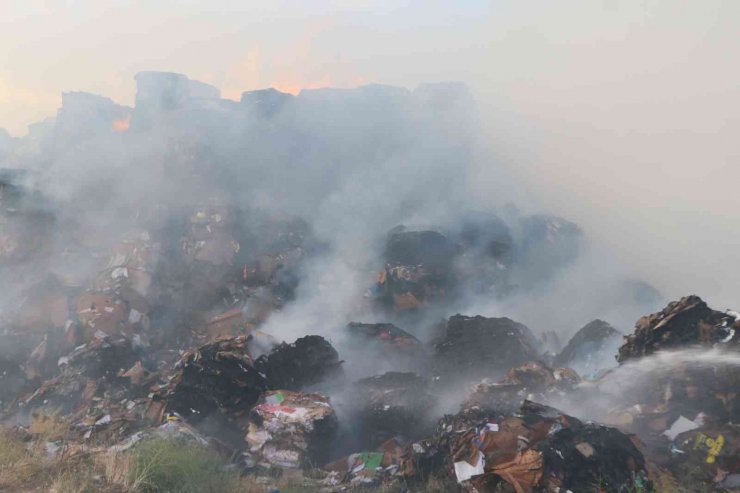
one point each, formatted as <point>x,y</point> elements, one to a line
<point>304,294</point>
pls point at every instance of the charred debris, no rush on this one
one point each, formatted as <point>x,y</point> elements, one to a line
<point>157,325</point>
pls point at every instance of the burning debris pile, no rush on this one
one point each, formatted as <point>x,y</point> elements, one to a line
<point>182,301</point>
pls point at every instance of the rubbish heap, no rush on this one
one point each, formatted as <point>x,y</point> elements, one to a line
<point>217,382</point>
<point>688,321</point>
<point>418,271</point>
<point>540,448</point>
<point>474,348</point>
<point>591,349</point>
<point>144,300</point>
<point>290,430</point>
<point>676,389</point>
<point>393,405</point>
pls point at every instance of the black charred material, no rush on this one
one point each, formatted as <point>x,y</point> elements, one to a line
<point>103,357</point>
<point>218,377</point>
<point>478,347</point>
<point>393,404</point>
<point>591,457</point>
<point>305,362</point>
<point>428,248</point>
<point>683,323</point>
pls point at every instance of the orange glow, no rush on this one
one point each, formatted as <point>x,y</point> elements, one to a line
<point>295,85</point>
<point>122,124</point>
<point>291,88</point>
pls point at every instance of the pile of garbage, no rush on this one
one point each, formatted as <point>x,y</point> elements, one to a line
<point>688,321</point>
<point>290,430</point>
<point>474,348</point>
<point>591,349</point>
<point>154,306</point>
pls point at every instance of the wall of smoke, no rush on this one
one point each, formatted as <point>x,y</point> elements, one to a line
<point>352,163</point>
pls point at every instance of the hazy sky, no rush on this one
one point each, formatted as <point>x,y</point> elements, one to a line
<point>621,115</point>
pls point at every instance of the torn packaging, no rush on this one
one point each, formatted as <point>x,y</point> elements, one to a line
<point>530,379</point>
<point>217,378</point>
<point>708,454</point>
<point>543,448</point>
<point>290,429</point>
<point>101,312</point>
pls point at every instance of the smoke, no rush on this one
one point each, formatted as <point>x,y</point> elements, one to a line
<point>651,379</point>
<point>616,117</point>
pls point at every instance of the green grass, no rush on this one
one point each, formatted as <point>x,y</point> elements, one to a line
<point>174,466</point>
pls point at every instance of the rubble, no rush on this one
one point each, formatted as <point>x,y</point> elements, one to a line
<point>688,321</point>
<point>290,429</point>
<point>91,392</point>
<point>591,349</point>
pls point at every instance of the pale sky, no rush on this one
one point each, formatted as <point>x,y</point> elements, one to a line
<point>622,115</point>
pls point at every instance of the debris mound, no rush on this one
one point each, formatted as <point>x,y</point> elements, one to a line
<point>591,348</point>
<point>290,430</point>
<point>216,379</point>
<point>530,380</point>
<point>393,404</point>
<point>303,363</point>
<point>477,347</point>
<point>688,321</point>
<point>542,449</point>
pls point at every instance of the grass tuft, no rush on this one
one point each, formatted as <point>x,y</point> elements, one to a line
<point>170,465</point>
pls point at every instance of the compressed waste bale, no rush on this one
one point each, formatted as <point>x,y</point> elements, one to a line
<point>478,347</point>
<point>419,269</point>
<point>486,252</point>
<point>393,404</point>
<point>209,248</point>
<point>307,361</point>
<point>130,272</point>
<point>541,448</point>
<point>217,378</point>
<point>686,322</point>
<point>594,347</point>
<point>548,244</point>
<point>290,430</point>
